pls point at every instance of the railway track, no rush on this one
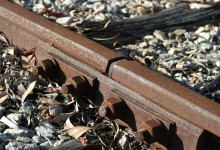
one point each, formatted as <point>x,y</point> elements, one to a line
<point>150,103</point>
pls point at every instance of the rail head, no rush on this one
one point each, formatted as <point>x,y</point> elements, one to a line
<point>69,42</point>
<point>169,94</point>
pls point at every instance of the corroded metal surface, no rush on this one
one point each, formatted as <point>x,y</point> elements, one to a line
<point>169,94</point>
<point>187,119</point>
<point>69,42</point>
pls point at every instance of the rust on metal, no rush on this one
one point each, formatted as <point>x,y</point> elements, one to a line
<point>152,131</point>
<point>130,92</point>
<point>71,43</point>
<point>45,68</point>
<point>111,108</point>
<point>77,85</point>
<point>170,95</point>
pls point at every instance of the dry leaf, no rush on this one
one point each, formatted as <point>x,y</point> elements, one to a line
<point>77,131</point>
<point>105,39</point>
<point>68,124</point>
<point>4,38</point>
<point>121,123</point>
<point>199,5</point>
<point>28,91</point>
<point>2,99</point>
<point>49,101</point>
<point>63,116</point>
<point>9,123</point>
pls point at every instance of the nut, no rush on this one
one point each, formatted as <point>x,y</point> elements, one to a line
<point>45,68</point>
<point>110,107</point>
<point>75,86</point>
<point>151,131</point>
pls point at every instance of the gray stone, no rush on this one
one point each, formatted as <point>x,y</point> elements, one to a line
<point>46,145</point>
<point>38,139</point>
<point>46,130</point>
<point>149,37</point>
<point>179,32</point>
<point>4,137</point>
<point>15,118</point>
<point>19,132</point>
<point>24,139</point>
<point>64,20</point>
<point>200,40</point>
<point>153,42</point>
<point>55,110</point>
<point>142,44</point>
<point>2,109</point>
<point>17,145</point>
<point>2,127</point>
<point>47,3</point>
<point>57,143</point>
<point>199,30</point>
<point>205,35</point>
<point>27,107</point>
<point>160,35</point>
<point>217,63</point>
<point>206,46</point>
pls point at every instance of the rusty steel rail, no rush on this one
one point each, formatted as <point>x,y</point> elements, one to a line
<point>159,108</point>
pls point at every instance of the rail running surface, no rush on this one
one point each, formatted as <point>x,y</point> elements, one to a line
<point>123,88</point>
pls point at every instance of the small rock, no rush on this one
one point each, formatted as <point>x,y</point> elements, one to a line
<point>125,10</point>
<point>5,137</point>
<point>199,30</point>
<point>69,3</point>
<point>47,3</point>
<point>206,46</point>
<point>205,35</point>
<point>153,42</point>
<point>19,132</point>
<point>46,145</point>
<point>169,5</point>
<point>149,37</point>
<point>57,143</point>
<point>2,109</point>
<point>46,130</point>
<point>179,32</point>
<point>27,107</point>
<point>2,146</point>
<point>217,63</point>
<point>64,137</point>
<point>64,20</point>
<point>215,48</point>
<point>15,118</point>
<point>200,40</point>
<point>98,9</point>
<point>55,110</point>
<point>24,139</point>
<point>160,35</point>
<point>38,7</point>
<point>213,33</point>
<point>188,35</point>
<point>2,127</point>
<point>100,16</point>
<point>38,139</point>
<point>162,70</point>
<point>15,145</point>
<point>144,52</point>
<point>143,44</point>
<point>171,52</point>
<point>141,10</point>
<point>168,43</point>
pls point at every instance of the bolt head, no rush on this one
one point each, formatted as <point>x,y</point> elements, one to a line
<point>104,111</point>
<point>143,135</point>
<point>67,88</point>
<point>37,70</point>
